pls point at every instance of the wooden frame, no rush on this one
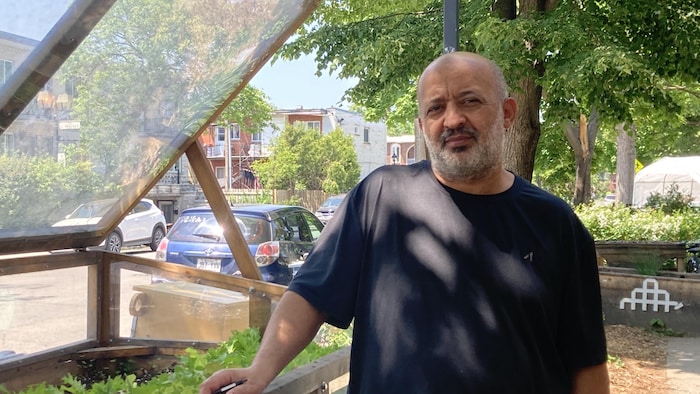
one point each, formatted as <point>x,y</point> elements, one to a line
<point>103,298</point>
<point>105,343</point>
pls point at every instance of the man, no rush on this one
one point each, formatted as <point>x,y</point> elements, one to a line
<point>460,276</point>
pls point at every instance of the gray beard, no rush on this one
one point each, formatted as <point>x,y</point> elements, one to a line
<point>476,161</point>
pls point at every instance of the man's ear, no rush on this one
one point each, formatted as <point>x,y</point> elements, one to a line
<point>510,107</point>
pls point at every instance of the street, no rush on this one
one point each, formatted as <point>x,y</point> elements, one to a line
<point>43,310</point>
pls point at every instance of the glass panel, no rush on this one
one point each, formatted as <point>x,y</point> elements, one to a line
<point>129,281</point>
<point>25,20</point>
<point>177,310</point>
<point>125,105</point>
<point>37,304</point>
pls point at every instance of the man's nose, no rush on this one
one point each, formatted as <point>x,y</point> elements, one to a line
<point>454,117</point>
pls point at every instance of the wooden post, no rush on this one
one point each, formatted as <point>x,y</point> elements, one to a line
<point>260,308</point>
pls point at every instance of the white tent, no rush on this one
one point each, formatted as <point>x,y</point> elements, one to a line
<point>658,177</point>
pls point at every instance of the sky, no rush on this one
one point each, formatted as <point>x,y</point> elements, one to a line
<point>291,84</point>
<point>288,84</point>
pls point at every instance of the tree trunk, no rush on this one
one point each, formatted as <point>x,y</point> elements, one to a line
<point>582,138</point>
<point>522,138</point>
<point>507,9</point>
<point>626,157</point>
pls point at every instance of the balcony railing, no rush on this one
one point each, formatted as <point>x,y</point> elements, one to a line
<point>215,151</point>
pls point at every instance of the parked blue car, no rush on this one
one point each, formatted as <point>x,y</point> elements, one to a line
<point>279,238</point>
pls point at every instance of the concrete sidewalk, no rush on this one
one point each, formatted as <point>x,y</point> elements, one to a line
<point>683,364</point>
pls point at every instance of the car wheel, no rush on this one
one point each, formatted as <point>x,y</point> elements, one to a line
<point>113,243</point>
<point>158,234</point>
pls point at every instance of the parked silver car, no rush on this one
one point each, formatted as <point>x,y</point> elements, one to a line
<point>143,225</point>
<point>325,212</point>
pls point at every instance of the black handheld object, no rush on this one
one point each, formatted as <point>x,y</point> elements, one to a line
<point>228,387</point>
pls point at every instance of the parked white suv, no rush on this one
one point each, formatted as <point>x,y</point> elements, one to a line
<point>144,225</point>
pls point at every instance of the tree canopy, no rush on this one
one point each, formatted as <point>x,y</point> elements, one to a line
<point>561,58</point>
<point>150,70</point>
<point>251,109</point>
<point>303,159</point>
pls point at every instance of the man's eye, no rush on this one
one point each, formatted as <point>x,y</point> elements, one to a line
<point>434,108</point>
<point>470,102</point>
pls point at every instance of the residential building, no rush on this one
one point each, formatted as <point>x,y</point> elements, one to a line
<point>369,138</point>
<point>243,148</point>
<point>231,151</point>
<point>401,150</point>
<point>46,125</point>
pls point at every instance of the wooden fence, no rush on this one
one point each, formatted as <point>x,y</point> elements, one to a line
<point>310,199</point>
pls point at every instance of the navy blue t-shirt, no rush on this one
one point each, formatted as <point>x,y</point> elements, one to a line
<point>457,293</point>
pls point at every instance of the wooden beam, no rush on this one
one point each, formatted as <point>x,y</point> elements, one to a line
<point>173,271</point>
<point>114,352</point>
<point>260,308</point>
<point>315,377</point>
<point>222,211</point>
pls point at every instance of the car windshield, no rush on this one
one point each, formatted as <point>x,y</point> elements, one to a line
<point>203,227</point>
<point>332,202</point>
<point>91,210</point>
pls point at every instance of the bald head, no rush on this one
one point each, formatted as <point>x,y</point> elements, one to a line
<point>471,62</point>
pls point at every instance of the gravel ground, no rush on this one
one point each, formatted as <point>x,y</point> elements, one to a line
<point>637,360</point>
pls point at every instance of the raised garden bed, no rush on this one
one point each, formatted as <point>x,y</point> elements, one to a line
<point>668,298</point>
<point>630,254</point>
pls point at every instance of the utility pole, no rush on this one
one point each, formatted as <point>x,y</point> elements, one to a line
<point>227,157</point>
<point>450,40</point>
<point>450,10</point>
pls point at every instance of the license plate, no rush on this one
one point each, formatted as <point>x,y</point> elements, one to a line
<point>295,267</point>
<point>209,264</point>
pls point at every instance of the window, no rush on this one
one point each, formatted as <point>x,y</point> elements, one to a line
<point>282,231</point>
<point>315,225</point>
<point>257,137</point>
<point>220,172</point>
<point>309,124</point>
<point>357,130</point>
<point>312,124</point>
<point>235,131</point>
<point>395,153</point>
<point>140,207</point>
<point>220,133</point>
<point>298,227</point>
<point>366,134</point>
<point>6,69</point>
<point>7,143</point>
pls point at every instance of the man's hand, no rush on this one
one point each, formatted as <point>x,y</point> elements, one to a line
<point>252,385</point>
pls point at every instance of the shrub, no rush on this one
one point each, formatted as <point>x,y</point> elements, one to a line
<point>647,265</point>
<point>671,202</point>
<point>622,223</point>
